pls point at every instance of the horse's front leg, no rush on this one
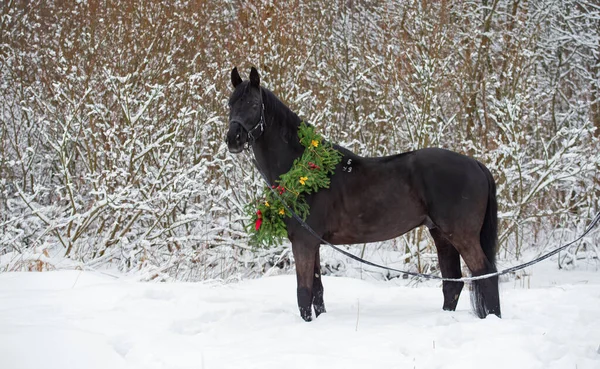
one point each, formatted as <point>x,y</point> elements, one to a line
<point>304,255</point>
<point>318,302</point>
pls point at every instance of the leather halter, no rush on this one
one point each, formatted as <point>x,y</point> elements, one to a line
<point>255,132</point>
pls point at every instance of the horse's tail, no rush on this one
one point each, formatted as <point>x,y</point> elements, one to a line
<point>485,297</point>
<point>488,238</point>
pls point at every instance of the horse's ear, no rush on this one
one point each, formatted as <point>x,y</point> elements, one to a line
<point>254,77</point>
<point>235,77</point>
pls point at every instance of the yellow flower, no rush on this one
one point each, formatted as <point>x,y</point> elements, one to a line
<point>267,204</point>
<point>281,211</point>
<point>303,180</point>
<point>315,143</point>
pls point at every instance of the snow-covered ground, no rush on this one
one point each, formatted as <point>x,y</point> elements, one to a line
<point>72,319</point>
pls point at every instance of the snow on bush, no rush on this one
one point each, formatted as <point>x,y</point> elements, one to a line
<point>113,118</point>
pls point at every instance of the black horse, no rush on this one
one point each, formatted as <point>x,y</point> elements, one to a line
<point>375,199</point>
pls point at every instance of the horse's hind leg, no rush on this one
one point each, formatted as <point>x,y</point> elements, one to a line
<point>485,297</point>
<point>317,288</point>
<point>449,260</point>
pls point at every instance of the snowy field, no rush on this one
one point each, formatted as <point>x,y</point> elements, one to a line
<point>72,319</point>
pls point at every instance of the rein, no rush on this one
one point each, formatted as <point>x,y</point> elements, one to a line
<point>592,224</point>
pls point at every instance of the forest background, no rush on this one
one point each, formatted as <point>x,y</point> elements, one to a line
<point>113,115</point>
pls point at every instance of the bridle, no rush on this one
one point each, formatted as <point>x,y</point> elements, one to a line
<point>255,132</point>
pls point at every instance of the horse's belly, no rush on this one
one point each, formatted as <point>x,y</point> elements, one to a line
<point>374,229</point>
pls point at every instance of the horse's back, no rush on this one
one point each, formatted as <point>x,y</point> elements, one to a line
<point>437,161</point>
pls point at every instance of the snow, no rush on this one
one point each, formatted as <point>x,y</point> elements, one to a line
<point>75,319</point>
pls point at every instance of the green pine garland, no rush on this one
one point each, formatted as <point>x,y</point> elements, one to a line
<point>308,174</point>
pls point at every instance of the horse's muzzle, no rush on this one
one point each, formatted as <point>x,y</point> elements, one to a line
<point>236,138</point>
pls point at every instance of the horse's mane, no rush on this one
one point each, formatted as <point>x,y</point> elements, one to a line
<point>283,116</point>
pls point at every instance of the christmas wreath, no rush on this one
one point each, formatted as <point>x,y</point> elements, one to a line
<point>308,174</point>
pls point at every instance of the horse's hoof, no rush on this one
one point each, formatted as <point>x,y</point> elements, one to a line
<point>451,306</point>
<point>306,314</point>
<point>319,309</point>
<point>496,312</point>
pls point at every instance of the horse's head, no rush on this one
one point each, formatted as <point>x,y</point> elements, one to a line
<point>246,115</point>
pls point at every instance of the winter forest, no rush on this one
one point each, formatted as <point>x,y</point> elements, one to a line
<point>113,116</point>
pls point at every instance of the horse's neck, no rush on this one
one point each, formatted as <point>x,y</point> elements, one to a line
<point>273,153</point>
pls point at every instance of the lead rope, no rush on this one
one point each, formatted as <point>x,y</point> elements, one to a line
<point>593,223</point>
